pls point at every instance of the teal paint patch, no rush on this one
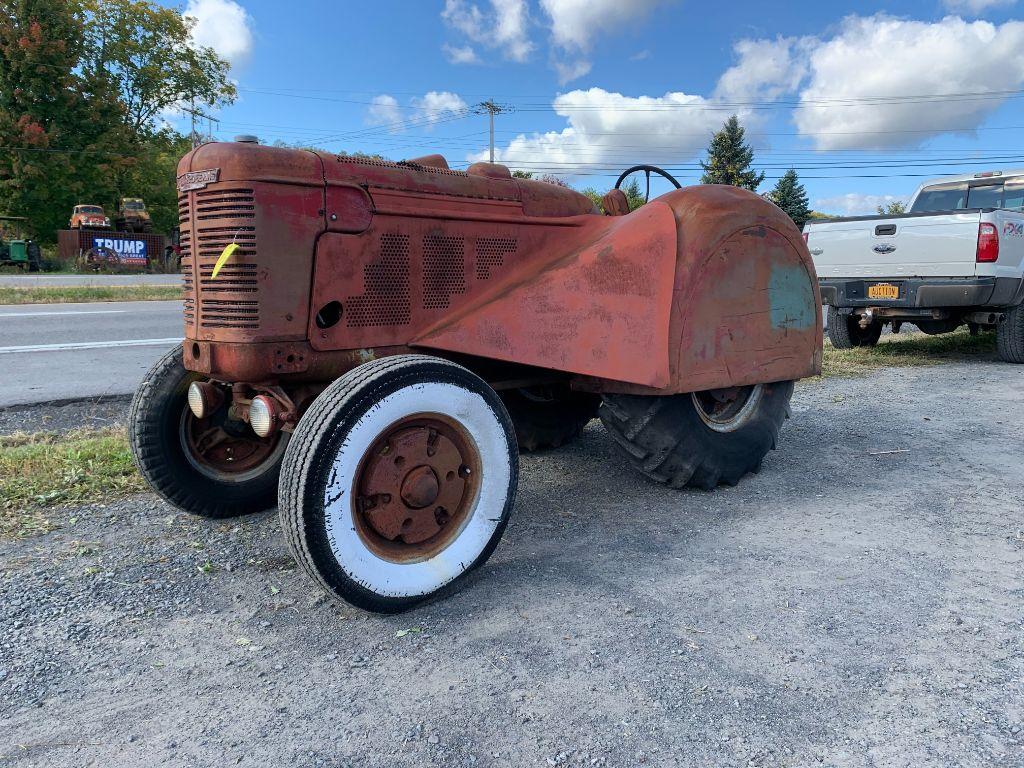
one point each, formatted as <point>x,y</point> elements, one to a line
<point>791,298</point>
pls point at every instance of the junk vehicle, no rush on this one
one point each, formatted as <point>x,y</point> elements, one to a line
<point>88,217</point>
<point>368,344</point>
<point>15,249</point>
<point>132,216</point>
<point>956,257</point>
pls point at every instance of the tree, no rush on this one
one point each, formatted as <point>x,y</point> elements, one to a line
<point>730,158</point>
<point>85,86</point>
<point>147,53</point>
<point>55,140</point>
<point>789,194</point>
<point>895,208</point>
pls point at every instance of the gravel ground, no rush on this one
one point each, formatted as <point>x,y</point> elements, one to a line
<point>845,607</point>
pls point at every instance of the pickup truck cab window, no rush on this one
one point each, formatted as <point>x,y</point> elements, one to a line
<point>985,196</point>
<point>941,197</point>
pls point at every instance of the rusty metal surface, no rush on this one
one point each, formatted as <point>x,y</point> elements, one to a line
<point>415,487</point>
<point>344,259</point>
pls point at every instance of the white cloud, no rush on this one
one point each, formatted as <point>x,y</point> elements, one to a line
<point>766,69</point>
<point>460,54</point>
<point>885,57</point>
<point>853,86</point>
<point>854,203</point>
<point>385,110</point>
<point>975,7</point>
<point>576,23</point>
<point>571,70</point>
<point>222,25</point>
<point>504,26</point>
<point>437,104</point>
<point>600,123</point>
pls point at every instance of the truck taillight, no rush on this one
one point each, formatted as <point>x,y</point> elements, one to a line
<point>988,243</point>
<point>805,238</point>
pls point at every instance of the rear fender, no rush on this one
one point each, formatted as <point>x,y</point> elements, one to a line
<point>746,307</point>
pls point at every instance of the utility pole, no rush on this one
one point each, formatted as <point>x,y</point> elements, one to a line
<point>491,108</point>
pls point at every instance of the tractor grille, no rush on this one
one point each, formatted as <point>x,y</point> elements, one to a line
<point>211,220</point>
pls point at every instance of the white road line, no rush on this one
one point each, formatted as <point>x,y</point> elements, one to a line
<point>89,345</point>
<point>69,312</point>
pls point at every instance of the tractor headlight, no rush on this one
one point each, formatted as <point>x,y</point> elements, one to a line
<point>263,415</point>
<point>204,398</point>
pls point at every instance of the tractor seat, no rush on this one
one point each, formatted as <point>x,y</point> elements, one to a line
<point>489,171</point>
<point>615,203</point>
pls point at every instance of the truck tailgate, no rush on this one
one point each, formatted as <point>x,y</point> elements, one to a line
<point>933,245</point>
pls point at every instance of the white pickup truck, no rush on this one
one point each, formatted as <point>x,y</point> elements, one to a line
<point>956,257</point>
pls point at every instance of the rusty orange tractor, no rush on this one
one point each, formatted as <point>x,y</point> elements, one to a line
<point>368,344</point>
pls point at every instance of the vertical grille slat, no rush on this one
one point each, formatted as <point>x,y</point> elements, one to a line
<point>212,219</point>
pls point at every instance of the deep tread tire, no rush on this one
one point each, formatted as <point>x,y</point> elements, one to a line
<point>550,422</point>
<point>666,439</point>
<point>845,332</point>
<point>153,433</point>
<point>332,424</point>
<point>1010,336</point>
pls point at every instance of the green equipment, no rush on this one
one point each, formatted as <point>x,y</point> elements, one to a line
<point>15,249</point>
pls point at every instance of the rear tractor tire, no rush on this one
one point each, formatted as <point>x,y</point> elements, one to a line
<point>398,481</point>
<point>549,416</point>
<point>844,331</point>
<point>701,439</point>
<point>1010,336</point>
<point>213,467</point>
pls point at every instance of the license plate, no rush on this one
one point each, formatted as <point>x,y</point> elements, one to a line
<point>883,291</point>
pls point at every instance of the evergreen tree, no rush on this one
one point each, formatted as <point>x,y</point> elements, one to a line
<point>730,158</point>
<point>789,194</point>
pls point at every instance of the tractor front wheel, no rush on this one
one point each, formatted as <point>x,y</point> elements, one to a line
<point>212,467</point>
<point>548,416</point>
<point>398,481</point>
<point>701,439</point>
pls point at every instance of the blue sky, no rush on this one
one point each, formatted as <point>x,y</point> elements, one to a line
<point>862,98</point>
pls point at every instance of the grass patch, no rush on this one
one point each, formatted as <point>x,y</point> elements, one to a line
<point>913,349</point>
<point>43,470</point>
<point>59,294</point>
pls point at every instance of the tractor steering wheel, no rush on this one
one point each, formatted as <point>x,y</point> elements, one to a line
<point>647,169</point>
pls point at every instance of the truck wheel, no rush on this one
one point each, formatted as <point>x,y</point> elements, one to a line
<point>1010,336</point>
<point>213,467</point>
<point>700,439</point>
<point>398,481</point>
<point>549,416</point>
<point>844,331</point>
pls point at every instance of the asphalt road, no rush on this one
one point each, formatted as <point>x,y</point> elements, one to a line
<point>857,604</point>
<point>50,281</point>
<point>62,351</point>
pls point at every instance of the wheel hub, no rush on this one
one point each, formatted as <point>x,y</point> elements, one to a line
<point>415,486</point>
<point>727,409</point>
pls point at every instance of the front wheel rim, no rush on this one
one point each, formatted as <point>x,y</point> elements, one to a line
<point>728,409</point>
<point>221,451</point>
<point>415,488</point>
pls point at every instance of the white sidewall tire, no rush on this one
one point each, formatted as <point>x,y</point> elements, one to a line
<point>417,579</point>
<point>322,462</point>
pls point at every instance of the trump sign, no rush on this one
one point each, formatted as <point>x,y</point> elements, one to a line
<point>125,250</point>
